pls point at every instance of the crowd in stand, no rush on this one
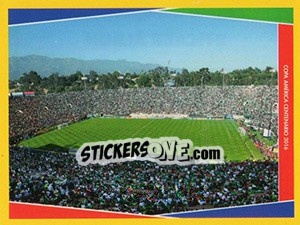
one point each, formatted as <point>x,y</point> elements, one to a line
<point>29,115</point>
<point>138,186</point>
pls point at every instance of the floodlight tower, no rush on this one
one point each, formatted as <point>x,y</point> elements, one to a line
<point>84,79</point>
<point>223,72</point>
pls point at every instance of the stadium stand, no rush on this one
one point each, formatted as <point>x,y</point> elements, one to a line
<point>28,116</point>
<point>139,187</point>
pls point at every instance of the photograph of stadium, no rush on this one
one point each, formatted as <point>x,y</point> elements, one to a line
<point>143,74</point>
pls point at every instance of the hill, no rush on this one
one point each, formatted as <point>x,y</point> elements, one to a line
<point>45,66</point>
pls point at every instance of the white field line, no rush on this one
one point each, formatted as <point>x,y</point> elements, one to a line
<point>244,142</point>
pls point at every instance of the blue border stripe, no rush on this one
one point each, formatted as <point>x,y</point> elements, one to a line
<point>279,209</point>
<point>19,16</point>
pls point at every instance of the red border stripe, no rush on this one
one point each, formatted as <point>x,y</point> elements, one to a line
<point>286,128</point>
<point>37,211</point>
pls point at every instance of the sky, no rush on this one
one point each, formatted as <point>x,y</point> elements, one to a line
<point>177,41</point>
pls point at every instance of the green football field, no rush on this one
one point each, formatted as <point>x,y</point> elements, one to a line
<point>222,133</point>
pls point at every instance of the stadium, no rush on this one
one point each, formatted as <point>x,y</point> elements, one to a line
<point>46,130</point>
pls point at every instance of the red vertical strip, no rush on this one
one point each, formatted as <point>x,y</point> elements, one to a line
<point>286,128</point>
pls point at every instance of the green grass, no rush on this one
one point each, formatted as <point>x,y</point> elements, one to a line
<point>266,140</point>
<point>222,133</point>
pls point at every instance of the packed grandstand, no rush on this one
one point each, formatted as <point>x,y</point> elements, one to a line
<point>140,187</point>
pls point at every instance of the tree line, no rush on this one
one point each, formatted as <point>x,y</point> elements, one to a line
<point>157,77</point>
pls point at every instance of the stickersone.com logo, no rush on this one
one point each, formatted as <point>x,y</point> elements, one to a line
<point>165,150</point>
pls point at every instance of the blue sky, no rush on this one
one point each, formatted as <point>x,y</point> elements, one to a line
<point>172,40</point>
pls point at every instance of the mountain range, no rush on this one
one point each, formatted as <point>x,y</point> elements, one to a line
<point>45,66</point>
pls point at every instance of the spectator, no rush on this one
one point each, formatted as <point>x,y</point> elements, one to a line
<point>138,186</point>
<point>30,115</point>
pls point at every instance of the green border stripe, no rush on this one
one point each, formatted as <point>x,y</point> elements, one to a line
<point>277,15</point>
